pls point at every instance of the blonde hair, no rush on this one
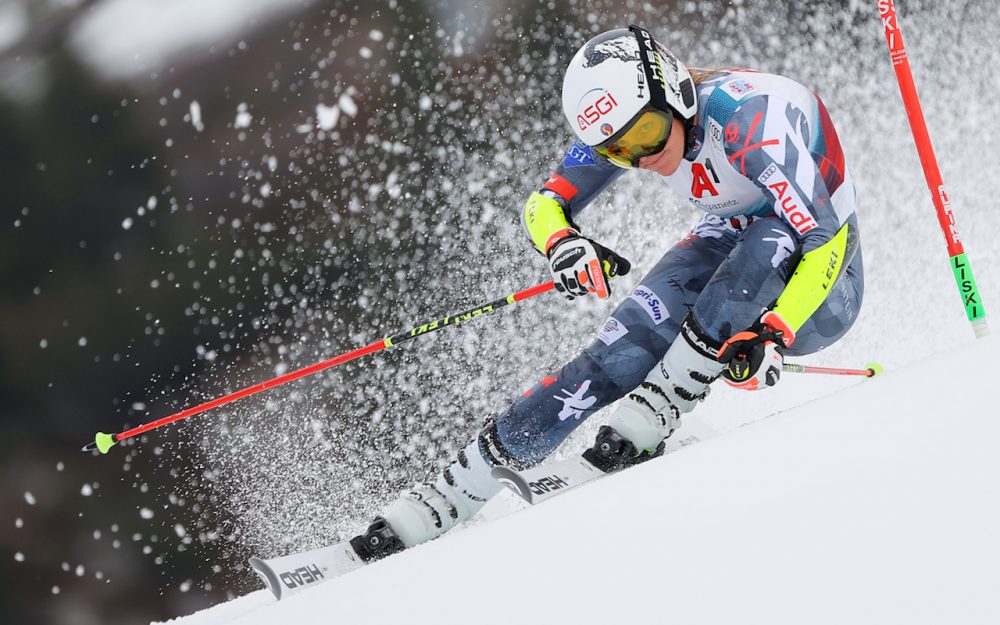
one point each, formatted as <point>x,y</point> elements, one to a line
<point>700,74</point>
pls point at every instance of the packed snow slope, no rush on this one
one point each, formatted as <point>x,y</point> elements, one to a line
<point>878,504</point>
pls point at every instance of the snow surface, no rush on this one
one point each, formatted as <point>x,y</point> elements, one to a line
<point>878,504</point>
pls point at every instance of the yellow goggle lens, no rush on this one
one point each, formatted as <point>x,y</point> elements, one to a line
<point>647,135</point>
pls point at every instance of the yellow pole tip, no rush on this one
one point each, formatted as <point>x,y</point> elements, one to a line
<point>875,369</point>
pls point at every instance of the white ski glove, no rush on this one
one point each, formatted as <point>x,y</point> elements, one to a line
<point>580,266</point>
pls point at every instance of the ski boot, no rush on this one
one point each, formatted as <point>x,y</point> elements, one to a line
<point>429,510</point>
<point>652,412</point>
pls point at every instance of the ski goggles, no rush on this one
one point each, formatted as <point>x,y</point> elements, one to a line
<point>645,135</point>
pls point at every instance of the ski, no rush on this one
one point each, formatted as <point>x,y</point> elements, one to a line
<point>287,575</point>
<point>547,480</point>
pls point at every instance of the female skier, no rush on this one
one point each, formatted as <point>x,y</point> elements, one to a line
<point>773,268</point>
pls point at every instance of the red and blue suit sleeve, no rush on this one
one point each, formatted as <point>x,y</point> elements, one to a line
<point>579,178</point>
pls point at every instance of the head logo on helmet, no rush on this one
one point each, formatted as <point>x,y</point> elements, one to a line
<point>652,53</point>
<point>637,70</point>
<point>594,105</point>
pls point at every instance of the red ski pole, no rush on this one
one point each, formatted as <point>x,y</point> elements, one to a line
<point>960,264</point>
<point>871,370</point>
<point>103,442</point>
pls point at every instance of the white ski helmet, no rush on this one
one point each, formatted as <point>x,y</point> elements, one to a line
<point>615,78</point>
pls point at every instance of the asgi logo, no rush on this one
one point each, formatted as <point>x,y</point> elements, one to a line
<point>301,576</point>
<point>651,303</point>
<point>594,105</point>
<point>547,484</point>
<point>578,156</point>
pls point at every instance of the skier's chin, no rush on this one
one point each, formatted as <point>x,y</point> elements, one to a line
<point>660,162</point>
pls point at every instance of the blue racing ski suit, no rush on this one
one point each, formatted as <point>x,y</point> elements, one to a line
<point>780,233</point>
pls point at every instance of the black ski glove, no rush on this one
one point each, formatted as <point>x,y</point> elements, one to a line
<point>754,357</point>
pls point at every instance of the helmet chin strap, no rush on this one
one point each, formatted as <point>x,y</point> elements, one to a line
<point>689,133</point>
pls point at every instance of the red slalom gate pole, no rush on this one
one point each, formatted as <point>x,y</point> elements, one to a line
<point>960,264</point>
<point>103,442</point>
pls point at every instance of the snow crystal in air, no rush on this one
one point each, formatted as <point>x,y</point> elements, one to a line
<point>19,522</point>
<point>19,557</point>
<point>55,590</point>
<point>265,189</point>
<point>365,52</point>
<point>86,490</point>
<point>425,102</point>
<point>146,513</point>
<point>347,105</point>
<point>327,116</point>
<point>29,498</point>
<point>243,116</point>
<point>196,116</point>
<point>180,531</point>
<point>127,223</point>
<point>82,341</point>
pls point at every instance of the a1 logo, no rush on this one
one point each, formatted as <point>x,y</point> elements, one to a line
<point>701,183</point>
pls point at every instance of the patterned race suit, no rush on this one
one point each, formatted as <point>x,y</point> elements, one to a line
<point>768,169</point>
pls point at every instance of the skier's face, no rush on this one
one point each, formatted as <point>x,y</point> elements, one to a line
<point>669,158</point>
